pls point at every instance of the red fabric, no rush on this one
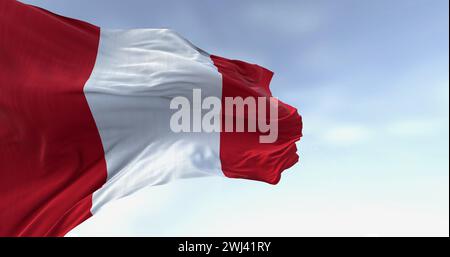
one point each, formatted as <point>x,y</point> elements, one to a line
<point>51,156</point>
<point>241,153</point>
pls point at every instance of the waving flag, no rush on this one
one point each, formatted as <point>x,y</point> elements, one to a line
<point>85,116</point>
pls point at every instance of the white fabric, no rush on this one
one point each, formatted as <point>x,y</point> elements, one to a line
<point>136,74</point>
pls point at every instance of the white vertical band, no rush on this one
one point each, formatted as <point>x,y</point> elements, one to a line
<point>136,74</point>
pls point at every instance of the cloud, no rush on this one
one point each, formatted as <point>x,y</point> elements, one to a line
<point>346,134</point>
<point>408,128</point>
<point>285,18</point>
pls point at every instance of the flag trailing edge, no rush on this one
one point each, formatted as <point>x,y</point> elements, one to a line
<point>85,118</point>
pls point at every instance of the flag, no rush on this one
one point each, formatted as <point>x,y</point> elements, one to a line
<point>88,115</point>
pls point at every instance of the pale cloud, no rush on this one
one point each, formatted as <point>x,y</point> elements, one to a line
<point>409,128</point>
<point>347,134</point>
<point>286,18</point>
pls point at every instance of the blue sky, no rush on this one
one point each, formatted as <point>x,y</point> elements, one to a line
<point>371,81</point>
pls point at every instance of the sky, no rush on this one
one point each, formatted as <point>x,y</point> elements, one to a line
<point>370,79</point>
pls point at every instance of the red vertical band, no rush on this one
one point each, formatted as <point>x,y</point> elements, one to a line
<point>241,153</point>
<point>51,156</point>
